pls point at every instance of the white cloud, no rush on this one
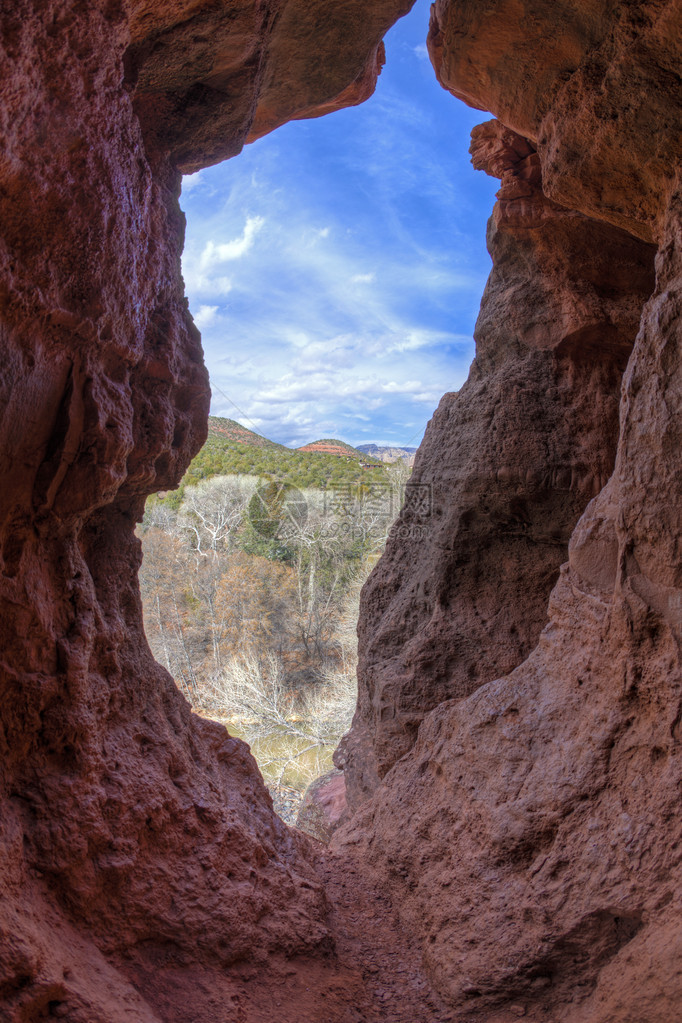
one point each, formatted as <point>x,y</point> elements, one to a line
<point>407,387</point>
<point>352,271</point>
<point>197,283</point>
<point>205,315</point>
<point>219,253</point>
<point>197,269</point>
<point>191,181</point>
<point>418,338</point>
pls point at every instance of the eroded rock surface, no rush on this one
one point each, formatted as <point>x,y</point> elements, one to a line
<point>524,849</point>
<point>532,829</point>
<point>134,837</point>
<point>507,465</point>
<point>325,807</point>
<point>251,67</point>
<point>595,85</point>
<point>543,842</point>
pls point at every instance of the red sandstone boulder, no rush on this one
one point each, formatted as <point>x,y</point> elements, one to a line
<point>324,807</point>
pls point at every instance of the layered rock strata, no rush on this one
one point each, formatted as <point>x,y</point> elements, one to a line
<point>507,465</point>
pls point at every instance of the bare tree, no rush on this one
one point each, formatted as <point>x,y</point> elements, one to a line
<point>212,512</point>
<point>287,726</point>
<point>270,643</point>
<point>164,568</point>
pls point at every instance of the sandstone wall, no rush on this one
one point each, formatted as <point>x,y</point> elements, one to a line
<point>531,831</point>
<point>508,463</point>
<point>528,830</point>
<point>133,835</point>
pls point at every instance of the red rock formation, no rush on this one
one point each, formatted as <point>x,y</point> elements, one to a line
<point>131,832</point>
<point>324,808</point>
<point>594,84</point>
<point>532,835</point>
<point>508,463</point>
<point>252,67</point>
<point>548,848</point>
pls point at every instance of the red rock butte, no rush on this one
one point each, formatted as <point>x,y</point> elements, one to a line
<point>514,769</point>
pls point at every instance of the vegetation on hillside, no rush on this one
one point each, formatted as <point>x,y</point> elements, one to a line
<point>331,446</point>
<point>230,429</point>
<point>232,450</point>
<point>250,584</point>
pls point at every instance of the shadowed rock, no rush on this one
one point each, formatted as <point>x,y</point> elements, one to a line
<point>523,846</point>
<point>507,464</point>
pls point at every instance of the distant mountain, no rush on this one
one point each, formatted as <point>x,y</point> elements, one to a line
<point>387,454</point>
<point>222,429</point>
<point>332,446</point>
<point>228,429</point>
<point>232,449</point>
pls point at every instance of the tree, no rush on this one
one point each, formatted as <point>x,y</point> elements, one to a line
<point>163,571</point>
<point>252,603</point>
<point>212,512</point>
<point>285,725</point>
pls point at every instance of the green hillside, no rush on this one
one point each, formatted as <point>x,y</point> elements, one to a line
<point>338,448</point>
<point>231,449</point>
<point>220,429</point>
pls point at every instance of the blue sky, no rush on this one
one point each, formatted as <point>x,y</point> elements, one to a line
<point>335,267</point>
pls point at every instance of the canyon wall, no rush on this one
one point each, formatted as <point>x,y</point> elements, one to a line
<point>531,832</point>
<point>134,836</point>
<point>507,466</point>
<point>515,758</point>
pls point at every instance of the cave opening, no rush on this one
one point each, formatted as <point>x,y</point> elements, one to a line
<point>513,753</point>
<point>334,268</point>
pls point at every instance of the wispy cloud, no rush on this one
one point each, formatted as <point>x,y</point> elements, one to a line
<point>336,266</point>
<point>191,181</point>
<point>205,315</point>
<point>202,269</point>
<point>222,252</point>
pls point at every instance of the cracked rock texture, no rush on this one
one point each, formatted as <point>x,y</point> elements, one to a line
<point>516,753</point>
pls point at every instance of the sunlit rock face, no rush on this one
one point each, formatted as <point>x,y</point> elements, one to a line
<point>208,77</point>
<point>595,85</point>
<point>529,829</point>
<point>531,832</point>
